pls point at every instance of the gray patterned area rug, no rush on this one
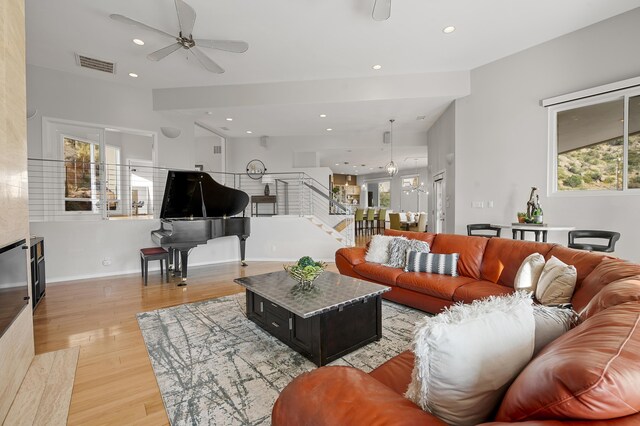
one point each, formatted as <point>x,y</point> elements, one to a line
<point>215,367</point>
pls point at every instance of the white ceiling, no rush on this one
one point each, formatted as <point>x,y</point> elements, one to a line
<point>305,40</point>
<point>292,40</point>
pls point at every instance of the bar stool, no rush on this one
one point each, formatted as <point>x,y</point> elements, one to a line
<point>371,217</point>
<point>153,253</point>
<point>382,220</point>
<point>359,220</point>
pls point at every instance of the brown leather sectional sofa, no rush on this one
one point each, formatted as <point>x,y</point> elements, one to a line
<point>590,376</point>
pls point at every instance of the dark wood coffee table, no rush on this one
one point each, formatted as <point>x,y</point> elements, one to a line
<point>339,315</point>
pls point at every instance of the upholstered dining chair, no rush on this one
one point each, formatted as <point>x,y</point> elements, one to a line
<point>382,220</point>
<point>359,221</point>
<point>610,237</point>
<point>371,217</point>
<point>394,221</point>
<point>421,225</point>
<point>483,230</point>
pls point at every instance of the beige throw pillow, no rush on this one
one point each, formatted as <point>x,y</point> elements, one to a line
<point>529,273</point>
<point>557,282</point>
<point>467,356</point>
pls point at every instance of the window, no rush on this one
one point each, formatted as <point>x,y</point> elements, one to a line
<point>596,144</point>
<point>86,175</point>
<point>384,194</point>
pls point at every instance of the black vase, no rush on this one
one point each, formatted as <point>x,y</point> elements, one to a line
<point>266,189</point>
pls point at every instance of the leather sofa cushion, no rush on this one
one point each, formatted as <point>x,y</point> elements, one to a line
<point>396,372</point>
<point>471,251</point>
<point>478,290</point>
<point>616,293</point>
<point>345,396</point>
<point>607,271</point>
<point>503,257</point>
<point>353,255</point>
<point>584,261</point>
<point>442,286</point>
<point>589,373</point>
<point>427,237</point>
<point>378,273</point>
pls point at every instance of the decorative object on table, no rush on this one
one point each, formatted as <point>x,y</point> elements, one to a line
<point>305,271</point>
<point>534,211</point>
<point>391,167</point>
<point>522,216</point>
<point>266,180</point>
<point>256,169</point>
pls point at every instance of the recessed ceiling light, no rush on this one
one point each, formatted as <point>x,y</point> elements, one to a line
<point>323,115</point>
<point>376,67</point>
<point>355,166</point>
<point>370,168</point>
<point>229,119</point>
<point>329,129</point>
<point>209,112</point>
<point>249,131</point>
<point>337,164</point>
<point>138,42</point>
<point>133,74</point>
<point>449,29</point>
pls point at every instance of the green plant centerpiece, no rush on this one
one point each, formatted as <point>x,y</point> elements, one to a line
<point>305,271</point>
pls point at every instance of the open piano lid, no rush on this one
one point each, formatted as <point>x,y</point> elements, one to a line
<point>196,195</point>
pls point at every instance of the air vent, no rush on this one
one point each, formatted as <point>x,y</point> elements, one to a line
<point>217,149</point>
<point>95,64</point>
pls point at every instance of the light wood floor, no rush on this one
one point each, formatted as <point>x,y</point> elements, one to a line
<point>114,382</point>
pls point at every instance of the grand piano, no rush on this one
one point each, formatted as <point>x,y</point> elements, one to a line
<point>195,209</point>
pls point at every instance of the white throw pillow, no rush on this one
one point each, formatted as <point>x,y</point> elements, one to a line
<point>467,356</point>
<point>557,282</point>
<point>551,323</point>
<point>529,273</point>
<point>378,251</point>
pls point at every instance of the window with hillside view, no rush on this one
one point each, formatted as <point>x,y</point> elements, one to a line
<point>86,174</point>
<point>590,146</point>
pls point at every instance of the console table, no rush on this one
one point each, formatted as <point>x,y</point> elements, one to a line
<point>538,230</point>
<point>256,200</point>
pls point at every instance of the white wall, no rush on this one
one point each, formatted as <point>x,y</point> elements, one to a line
<point>65,96</point>
<point>204,152</point>
<point>441,141</point>
<point>501,131</point>
<point>76,250</point>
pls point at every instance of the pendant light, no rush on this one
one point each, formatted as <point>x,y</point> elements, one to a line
<point>391,167</point>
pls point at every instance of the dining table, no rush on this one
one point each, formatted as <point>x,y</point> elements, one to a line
<point>539,230</point>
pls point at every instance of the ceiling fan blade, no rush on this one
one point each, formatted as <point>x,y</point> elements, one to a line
<point>130,21</point>
<point>164,52</point>
<point>381,10</point>
<point>186,17</point>
<point>235,46</point>
<point>206,61</point>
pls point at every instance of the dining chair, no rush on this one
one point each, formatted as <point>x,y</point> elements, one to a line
<point>382,220</point>
<point>394,221</point>
<point>421,225</point>
<point>359,220</point>
<point>483,230</point>
<point>610,237</point>
<point>371,216</point>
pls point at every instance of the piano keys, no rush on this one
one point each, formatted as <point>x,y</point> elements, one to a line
<point>195,209</point>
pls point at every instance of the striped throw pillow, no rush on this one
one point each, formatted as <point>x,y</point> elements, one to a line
<point>445,264</point>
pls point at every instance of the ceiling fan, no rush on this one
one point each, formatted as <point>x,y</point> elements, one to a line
<point>184,39</point>
<point>381,10</point>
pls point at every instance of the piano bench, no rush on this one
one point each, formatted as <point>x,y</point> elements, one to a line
<point>153,253</point>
